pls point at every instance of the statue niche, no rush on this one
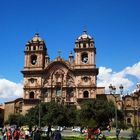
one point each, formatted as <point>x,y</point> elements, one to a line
<point>70,85</point>
<point>58,77</point>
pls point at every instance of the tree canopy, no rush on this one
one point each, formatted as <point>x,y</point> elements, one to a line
<point>93,113</point>
<point>96,113</point>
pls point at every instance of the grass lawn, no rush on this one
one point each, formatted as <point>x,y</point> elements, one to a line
<point>83,138</point>
<point>73,138</point>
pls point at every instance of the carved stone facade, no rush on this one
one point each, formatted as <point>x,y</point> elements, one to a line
<point>131,108</point>
<point>66,81</point>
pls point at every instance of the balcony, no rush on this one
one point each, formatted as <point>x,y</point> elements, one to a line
<point>31,101</point>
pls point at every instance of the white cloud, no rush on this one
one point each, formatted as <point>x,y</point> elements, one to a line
<point>134,70</point>
<point>107,76</point>
<point>10,90</point>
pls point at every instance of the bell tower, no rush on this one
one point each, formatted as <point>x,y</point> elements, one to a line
<point>85,51</point>
<point>85,67</point>
<point>36,59</point>
<point>35,53</point>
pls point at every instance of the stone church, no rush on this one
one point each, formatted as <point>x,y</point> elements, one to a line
<point>65,81</point>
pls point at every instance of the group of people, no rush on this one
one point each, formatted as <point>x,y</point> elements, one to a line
<point>15,134</point>
<point>9,134</point>
<point>56,135</point>
<point>52,135</point>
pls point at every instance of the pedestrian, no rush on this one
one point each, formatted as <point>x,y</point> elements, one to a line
<point>4,134</point>
<point>49,133</point>
<point>27,134</point>
<point>8,135</point>
<point>37,135</point>
<point>57,135</point>
<point>16,134</point>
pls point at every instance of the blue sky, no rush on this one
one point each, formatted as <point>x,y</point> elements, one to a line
<point>114,25</point>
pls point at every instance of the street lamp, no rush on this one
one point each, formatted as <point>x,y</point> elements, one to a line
<point>39,113</point>
<point>112,90</point>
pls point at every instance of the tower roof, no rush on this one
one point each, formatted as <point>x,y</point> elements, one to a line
<point>37,37</point>
<point>36,41</point>
<point>84,36</point>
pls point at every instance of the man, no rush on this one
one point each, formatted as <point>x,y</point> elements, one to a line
<point>16,134</point>
<point>37,135</point>
<point>57,135</point>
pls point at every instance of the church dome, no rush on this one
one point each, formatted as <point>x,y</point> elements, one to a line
<point>36,43</point>
<point>84,41</point>
<point>37,38</point>
<point>84,36</point>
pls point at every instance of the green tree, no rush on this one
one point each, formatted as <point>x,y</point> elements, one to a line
<point>51,113</point>
<point>71,115</point>
<point>16,119</point>
<point>55,115</point>
<point>86,114</point>
<point>96,113</point>
<point>31,117</point>
<point>104,112</point>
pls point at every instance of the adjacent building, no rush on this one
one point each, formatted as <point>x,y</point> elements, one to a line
<point>131,108</point>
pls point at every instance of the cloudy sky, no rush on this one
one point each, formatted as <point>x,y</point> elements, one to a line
<point>114,25</point>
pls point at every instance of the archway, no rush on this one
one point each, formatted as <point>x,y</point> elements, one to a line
<point>31,95</point>
<point>85,94</point>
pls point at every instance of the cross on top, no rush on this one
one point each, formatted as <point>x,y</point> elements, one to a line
<point>59,53</point>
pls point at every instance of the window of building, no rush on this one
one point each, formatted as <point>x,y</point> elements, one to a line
<point>46,93</point>
<point>85,94</point>
<point>91,45</point>
<point>58,91</point>
<point>41,47</point>
<point>84,45</point>
<point>32,80</point>
<point>70,92</point>
<point>31,95</point>
<point>34,48</point>
<point>33,59</point>
<point>84,57</point>
<point>128,103</point>
<point>128,120</point>
<point>27,48</point>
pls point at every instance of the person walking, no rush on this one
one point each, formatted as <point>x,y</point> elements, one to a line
<point>37,135</point>
<point>57,135</point>
<point>16,134</point>
<point>8,135</point>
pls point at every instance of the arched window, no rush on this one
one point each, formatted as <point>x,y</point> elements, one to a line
<point>84,45</point>
<point>33,59</point>
<point>20,106</point>
<point>70,92</point>
<point>85,94</point>
<point>58,91</point>
<point>84,57</point>
<point>129,120</point>
<point>31,95</point>
<point>34,48</point>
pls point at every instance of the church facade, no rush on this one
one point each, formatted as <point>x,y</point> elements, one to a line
<point>65,81</point>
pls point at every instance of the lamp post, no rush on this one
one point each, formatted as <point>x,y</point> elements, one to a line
<point>112,90</point>
<point>39,113</point>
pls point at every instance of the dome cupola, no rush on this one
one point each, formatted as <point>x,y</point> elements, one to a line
<point>84,36</point>
<point>36,43</point>
<point>84,41</point>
